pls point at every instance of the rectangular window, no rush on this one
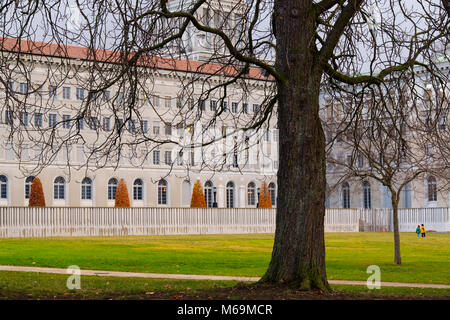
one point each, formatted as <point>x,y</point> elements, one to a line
<point>168,158</point>
<point>137,192</point>
<point>38,120</point>
<point>66,92</point>
<point>180,161</point>
<point>234,107</point>
<point>106,95</point>
<point>245,108</point>
<point>256,108</point>
<point>66,121</point>
<point>144,126</point>
<point>168,102</point>
<point>168,129</point>
<point>9,117</point>
<point>80,124</point>
<point>93,123</point>
<point>360,161</point>
<point>225,106</point>
<point>191,103</point>
<point>11,87</point>
<point>3,190</point>
<point>267,136</point>
<point>58,191</point>
<point>106,124</point>
<point>118,124</point>
<point>235,160</point>
<point>156,127</point>
<point>132,126</point>
<point>156,159</point>
<point>52,119</point>
<point>24,119</point>
<point>156,101</point>
<point>52,91</point>
<point>202,104</point>
<point>275,135</point>
<point>86,192</point>
<point>112,191</point>
<point>80,94</point>
<point>23,88</point>
<point>213,105</point>
<point>349,159</point>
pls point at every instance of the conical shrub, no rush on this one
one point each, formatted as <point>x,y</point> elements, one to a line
<point>264,197</point>
<point>122,198</point>
<point>198,198</point>
<point>37,198</point>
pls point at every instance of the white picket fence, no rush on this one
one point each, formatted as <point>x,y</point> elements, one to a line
<point>46,222</point>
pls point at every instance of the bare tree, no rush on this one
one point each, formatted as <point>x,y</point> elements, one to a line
<point>127,43</point>
<point>389,138</point>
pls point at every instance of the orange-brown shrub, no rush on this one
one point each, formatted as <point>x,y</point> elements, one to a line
<point>198,198</point>
<point>37,198</point>
<point>122,198</point>
<point>264,197</point>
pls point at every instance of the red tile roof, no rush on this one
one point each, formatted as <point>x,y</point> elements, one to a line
<point>110,56</point>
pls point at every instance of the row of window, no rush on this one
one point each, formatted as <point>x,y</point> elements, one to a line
<point>432,194</point>
<point>59,191</point>
<point>94,123</point>
<point>155,100</point>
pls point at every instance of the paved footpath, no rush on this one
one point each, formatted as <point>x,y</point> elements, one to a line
<point>202,277</point>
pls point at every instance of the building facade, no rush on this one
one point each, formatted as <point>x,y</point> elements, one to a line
<point>168,144</point>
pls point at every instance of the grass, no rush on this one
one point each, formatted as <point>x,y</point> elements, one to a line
<point>347,254</point>
<point>25,285</point>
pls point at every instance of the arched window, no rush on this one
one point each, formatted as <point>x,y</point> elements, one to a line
<point>59,186</point>
<point>138,187</point>
<point>209,194</point>
<point>86,189</point>
<point>251,194</point>
<point>367,198</point>
<point>28,183</point>
<point>112,187</point>
<point>162,192</point>
<point>230,195</point>
<point>3,187</point>
<point>345,195</point>
<point>273,193</point>
<point>432,188</point>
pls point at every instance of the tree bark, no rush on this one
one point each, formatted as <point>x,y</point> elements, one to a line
<point>397,256</point>
<point>298,255</point>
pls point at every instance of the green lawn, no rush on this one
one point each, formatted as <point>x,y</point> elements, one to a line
<point>347,254</point>
<point>26,285</point>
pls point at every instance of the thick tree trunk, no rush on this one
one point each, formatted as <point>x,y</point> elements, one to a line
<point>298,256</point>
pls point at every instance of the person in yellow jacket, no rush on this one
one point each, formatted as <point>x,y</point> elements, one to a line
<point>422,230</point>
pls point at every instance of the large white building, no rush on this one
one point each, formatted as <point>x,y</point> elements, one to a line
<point>157,174</point>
